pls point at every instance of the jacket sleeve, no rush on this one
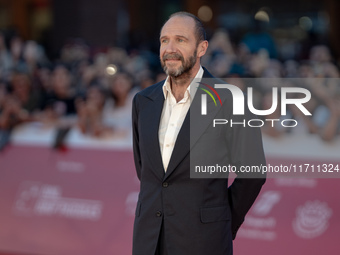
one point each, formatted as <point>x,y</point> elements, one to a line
<point>246,150</point>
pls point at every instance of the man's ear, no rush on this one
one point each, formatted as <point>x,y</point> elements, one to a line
<point>202,48</point>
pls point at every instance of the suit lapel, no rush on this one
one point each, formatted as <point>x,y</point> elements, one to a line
<point>154,109</point>
<point>194,124</point>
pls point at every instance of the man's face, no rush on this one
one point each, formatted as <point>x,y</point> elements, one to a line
<point>178,51</point>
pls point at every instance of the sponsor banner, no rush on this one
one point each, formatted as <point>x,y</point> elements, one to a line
<point>77,202</point>
<point>82,201</point>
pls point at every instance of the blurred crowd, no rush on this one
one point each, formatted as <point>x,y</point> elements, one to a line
<point>92,90</point>
<point>253,63</point>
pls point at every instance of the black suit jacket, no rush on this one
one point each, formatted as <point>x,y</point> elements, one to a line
<point>199,215</point>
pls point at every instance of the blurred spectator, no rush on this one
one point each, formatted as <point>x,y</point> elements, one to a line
<point>74,51</point>
<point>117,56</point>
<point>259,38</point>
<point>42,80</point>
<point>220,54</point>
<point>16,49</point>
<point>241,61</point>
<point>18,106</point>
<point>87,76</point>
<point>145,78</point>
<point>90,113</point>
<point>259,63</point>
<point>327,115</point>
<point>61,101</point>
<point>32,56</point>
<point>5,57</point>
<point>305,70</point>
<point>118,107</point>
<point>101,62</point>
<point>320,59</point>
<point>290,69</point>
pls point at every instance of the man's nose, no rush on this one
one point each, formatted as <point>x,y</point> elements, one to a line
<point>170,47</point>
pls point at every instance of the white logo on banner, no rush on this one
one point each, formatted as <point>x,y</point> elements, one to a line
<point>261,226</point>
<point>266,202</point>
<point>69,166</point>
<point>311,219</point>
<point>42,199</point>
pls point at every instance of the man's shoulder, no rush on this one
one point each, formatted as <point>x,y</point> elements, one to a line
<point>151,91</point>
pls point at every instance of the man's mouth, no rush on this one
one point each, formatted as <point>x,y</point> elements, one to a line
<point>172,58</point>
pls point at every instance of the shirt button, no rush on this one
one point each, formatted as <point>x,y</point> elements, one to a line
<point>168,145</point>
<point>165,184</point>
<point>158,213</point>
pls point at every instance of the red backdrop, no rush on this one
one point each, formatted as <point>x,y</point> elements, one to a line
<point>82,201</point>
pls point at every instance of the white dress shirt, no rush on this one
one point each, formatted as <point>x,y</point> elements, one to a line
<point>173,115</point>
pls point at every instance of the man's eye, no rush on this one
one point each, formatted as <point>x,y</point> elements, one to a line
<point>164,40</point>
<point>180,40</point>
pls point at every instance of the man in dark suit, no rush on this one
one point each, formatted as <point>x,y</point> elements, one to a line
<point>177,214</point>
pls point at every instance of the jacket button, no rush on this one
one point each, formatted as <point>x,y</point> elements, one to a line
<point>158,213</point>
<point>165,184</point>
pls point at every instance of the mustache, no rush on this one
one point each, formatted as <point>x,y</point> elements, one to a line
<point>173,56</point>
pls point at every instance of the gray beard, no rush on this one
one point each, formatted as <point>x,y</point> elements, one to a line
<point>184,68</point>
